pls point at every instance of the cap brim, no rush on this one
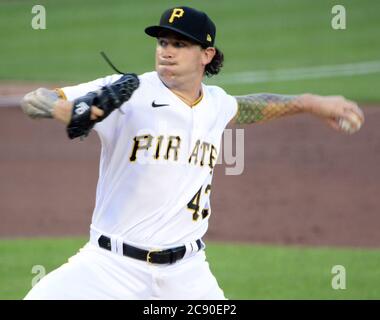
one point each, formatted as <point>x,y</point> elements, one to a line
<point>154,31</point>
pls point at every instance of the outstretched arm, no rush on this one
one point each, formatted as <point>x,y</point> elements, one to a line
<point>257,108</point>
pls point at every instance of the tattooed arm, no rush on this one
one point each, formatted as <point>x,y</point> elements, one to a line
<point>257,108</point>
<point>265,106</point>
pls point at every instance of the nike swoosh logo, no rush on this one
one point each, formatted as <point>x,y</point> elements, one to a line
<point>156,105</point>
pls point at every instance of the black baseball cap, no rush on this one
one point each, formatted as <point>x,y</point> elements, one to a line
<point>189,22</point>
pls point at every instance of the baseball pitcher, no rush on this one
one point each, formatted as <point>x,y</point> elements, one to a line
<point>160,134</point>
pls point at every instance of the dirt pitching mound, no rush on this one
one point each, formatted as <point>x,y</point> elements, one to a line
<point>302,183</point>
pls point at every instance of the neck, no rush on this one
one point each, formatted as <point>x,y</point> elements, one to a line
<point>189,92</point>
<point>189,97</point>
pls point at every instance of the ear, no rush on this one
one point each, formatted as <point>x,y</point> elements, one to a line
<point>208,55</point>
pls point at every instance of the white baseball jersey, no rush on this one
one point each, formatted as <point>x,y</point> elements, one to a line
<point>157,162</point>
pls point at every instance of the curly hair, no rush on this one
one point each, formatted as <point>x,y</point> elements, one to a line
<point>215,65</point>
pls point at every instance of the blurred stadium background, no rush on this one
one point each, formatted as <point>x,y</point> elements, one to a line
<point>270,46</point>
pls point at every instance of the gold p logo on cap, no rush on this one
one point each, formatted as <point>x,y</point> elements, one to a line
<point>177,13</point>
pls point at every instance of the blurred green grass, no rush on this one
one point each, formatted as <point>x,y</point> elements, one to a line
<point>274,272</point>
<point>254,35</point>
<point>17,258</point>
<point>243,271</point>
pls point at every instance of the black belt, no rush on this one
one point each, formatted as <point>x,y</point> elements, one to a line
<point>153,256</point>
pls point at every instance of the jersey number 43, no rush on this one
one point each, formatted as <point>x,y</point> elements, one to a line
<point>193,204</point>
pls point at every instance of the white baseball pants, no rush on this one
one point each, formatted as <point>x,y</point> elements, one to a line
<point>95,273</point>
